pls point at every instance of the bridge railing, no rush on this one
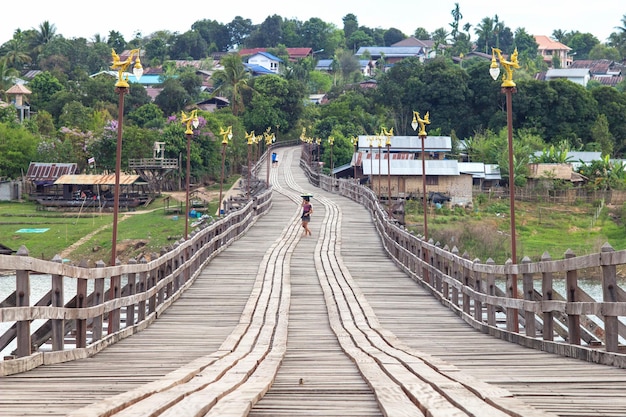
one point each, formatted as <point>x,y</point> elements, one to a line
<point>106,303</point>
<point>575,324</point>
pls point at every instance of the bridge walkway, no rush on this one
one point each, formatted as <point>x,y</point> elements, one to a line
<point>315,377</point>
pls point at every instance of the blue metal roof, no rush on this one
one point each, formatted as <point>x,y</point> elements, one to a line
<point>257,69</point>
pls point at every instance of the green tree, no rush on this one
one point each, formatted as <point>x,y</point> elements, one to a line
<point>456,19</point>
<point>239,29</point>
<point>15,51</point>
<point>393,35</point>
<point>173,98</point>
<point>601,134</point>
<point>43,86</point>
<point>189,45</point>
<point>147,116</point>
<point>350,25</point>
<point>215,34</point>
<point>358,39</point>
<point>18,147</point>
<point>7,78</point>
<point>231,81</point>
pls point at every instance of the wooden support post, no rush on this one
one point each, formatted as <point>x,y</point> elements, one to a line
<point>81,303</point>
<point>478,305</point>
<point>132,290</point>
<point>609,295</point>
<point>98,298</point>
<point>529,295</point>
<point>573,320</point>
<point>491,290</point>
<point>547,295</point>
<point>22,293</point>
<point>58,325</point>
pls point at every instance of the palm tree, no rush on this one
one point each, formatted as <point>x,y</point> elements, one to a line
<point>7,78</point>
<point>46,33</point>
<point>484,30</point>
<point>232,80</point>
<point>457,16</point>
<point>15,51</point>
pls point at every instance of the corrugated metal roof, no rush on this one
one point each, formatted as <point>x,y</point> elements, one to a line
<point>410,143</point>
<point>45,171</point>
<point>98,179</point>
<point>412,167</point>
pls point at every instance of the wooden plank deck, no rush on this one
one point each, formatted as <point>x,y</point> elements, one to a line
<point>280,324</point>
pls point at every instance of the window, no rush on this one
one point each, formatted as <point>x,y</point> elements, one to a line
<point>432,180</point>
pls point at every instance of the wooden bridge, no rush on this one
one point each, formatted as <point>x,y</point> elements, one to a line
<point>250,318</point>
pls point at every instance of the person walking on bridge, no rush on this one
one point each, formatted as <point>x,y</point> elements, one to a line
<point>307,210</point>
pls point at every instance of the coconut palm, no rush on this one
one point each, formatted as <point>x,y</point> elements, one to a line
<point>484,31</point>
<point>231,81</point>
<point>14,51</point>
<point>7,78</point>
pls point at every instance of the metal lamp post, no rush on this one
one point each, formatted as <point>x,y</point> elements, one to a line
<point>355,143</point>
<point>318,141</point>
<point>226,136</point>
<point>508,88</point>
<point>371,140</point>
<point>189,121</point>
<point>379,139</point>
<point>388,134</point>
<point>331,141</point>
<point>270,138</point>
<point>121,88</point>
<point>421,123</point>
<point>251,139</point>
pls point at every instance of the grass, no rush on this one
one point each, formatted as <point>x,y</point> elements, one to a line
<point>139,234</point>
<point>485,231</point>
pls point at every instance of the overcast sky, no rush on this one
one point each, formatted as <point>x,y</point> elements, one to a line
<point>80,18</point>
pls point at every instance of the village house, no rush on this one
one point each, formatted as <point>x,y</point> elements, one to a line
<point>404,170</point>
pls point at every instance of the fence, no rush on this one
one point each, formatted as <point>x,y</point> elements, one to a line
<point>102,310</point>
<point>573,325</point>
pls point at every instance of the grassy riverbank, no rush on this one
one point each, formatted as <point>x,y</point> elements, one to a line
<point>484,232</point>
<point>86,236</point>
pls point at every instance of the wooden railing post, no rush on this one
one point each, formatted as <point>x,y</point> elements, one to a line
<point>609,295</point>
<point>529,295</point>
<point>547,295</point>
<point>573,320</point>
<point>455,275</point>
<point>22,293</point>
<point>81,303</point>
<point>511,313</point>
<point>466,277</point>
<point>98,298</point>
<point>58,325</point>
<point>478,305</point>
<point>445,287</point>
<point>115,292</point>
<point>491,290</point>
<point>143,286</point>
<point>132,290</point>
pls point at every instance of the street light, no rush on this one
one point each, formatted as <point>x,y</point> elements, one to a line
<point>270,138</point>
<point>508,88</point>
<point>388,134</point>
<point>379,139</point>
<point>121,87</point>
<point>418,121</point>
<point>331,141</point>
<point>251,139</point>
<point>189,121</point>
<point>318,141</point>
<point>226,136</point>
<point>355,143</point>
<point>371,140</point>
